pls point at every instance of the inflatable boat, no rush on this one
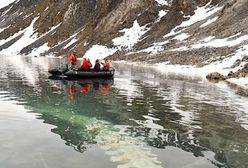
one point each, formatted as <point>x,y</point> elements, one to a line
<point>82,74</point>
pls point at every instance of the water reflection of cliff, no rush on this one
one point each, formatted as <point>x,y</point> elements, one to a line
<point>163,113</point>
<point>72,118</point>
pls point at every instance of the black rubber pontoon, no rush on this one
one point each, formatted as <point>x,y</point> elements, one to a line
<point>82,74</point>
<point>89,74</point>
<point>58,72</point>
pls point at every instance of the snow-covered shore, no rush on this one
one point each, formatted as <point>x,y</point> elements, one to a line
<point>192,71</point>
<point>201,72</point>
<point>242,82</point>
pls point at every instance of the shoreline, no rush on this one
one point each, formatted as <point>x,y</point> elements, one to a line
<point>191,71</point>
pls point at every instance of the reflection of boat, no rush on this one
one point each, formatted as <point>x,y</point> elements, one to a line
<point>96,83</point>
<point>85,85</point>
<point>83,80</point>
<point>94,80</point>
<point>82,74</point>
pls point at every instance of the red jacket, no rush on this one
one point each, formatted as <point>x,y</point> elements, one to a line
<point>85,65</point>
<point>73,59</point>
<point>106,65</point>
<point>90,65</point>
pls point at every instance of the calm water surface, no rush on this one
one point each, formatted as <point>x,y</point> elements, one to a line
<point>141,119</point>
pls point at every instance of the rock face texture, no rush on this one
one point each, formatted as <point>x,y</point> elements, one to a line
<point>215,76</point>
<point>191,32</point>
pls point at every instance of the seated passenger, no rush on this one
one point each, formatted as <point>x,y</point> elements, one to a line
<point>106,65</point>
<point>90,64</point>
<point>97,66</point>
<point>85,66</point>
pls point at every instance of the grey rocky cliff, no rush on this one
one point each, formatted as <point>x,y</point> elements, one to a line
<point>100,21</point>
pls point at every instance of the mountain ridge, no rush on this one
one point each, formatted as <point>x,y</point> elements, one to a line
<point>175,31</point>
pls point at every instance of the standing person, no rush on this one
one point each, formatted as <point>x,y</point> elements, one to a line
<point>73,60</point>
<point>97,66</point>
<point>106,65</point>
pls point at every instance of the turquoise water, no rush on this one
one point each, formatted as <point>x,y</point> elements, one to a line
<point>141,118</point>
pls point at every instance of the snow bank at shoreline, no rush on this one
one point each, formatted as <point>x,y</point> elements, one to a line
<point>224,67</point>
<point>191,71</point>
<point>242,82</point>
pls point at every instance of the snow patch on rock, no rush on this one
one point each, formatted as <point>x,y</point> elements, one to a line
<point>163,2</point>
<point>131,36</point>
<point>99,52</point>
<point>5,3</point>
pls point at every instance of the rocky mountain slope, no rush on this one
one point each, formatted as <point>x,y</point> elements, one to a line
<point>188,32</point>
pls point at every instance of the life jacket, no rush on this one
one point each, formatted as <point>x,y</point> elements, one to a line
<point>85,65</point>
<point>90,64</point>
<point>73,59</point>
<point>106,65</point>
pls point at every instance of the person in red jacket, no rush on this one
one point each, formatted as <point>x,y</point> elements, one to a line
<point>106,65</point>
<point>90,64</point>
<point>85,66</point>
<point>73,60</point>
